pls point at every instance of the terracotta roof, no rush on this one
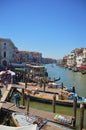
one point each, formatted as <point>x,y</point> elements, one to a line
<point>3,39</point>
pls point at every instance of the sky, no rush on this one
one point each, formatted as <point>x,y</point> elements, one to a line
<point>51,27</point>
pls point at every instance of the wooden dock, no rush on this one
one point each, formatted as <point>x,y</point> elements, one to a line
<point>40,113</point>
<point>5,93</point>
<point>7,106</point>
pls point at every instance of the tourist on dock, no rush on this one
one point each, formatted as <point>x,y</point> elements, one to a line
<point>0,95</point>
<point>17,99</point>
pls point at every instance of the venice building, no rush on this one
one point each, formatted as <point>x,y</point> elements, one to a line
<point>7,52</point>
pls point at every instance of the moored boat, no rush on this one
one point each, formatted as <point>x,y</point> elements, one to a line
<point>54,80</point>
<point>62,98</point>
<point>21,119</point>
<point>30,127</point>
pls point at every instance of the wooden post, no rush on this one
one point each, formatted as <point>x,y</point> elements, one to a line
<point>44,86</point>
<point>23,97</point>
<point>25,83</point>
<point>28,102</point>
<point>54,102</point>
<point>74,108</point>
<point>81,116</point>
<point>62,85</point>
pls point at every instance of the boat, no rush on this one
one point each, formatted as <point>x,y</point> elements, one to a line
<point>62,97</point>
<point>75,69</point>
<point>54,80</point>
<point>52,85</point>
<point>82,69</point>
<point>70,89</point>
<point>37,70</point>
<point>30,127</point>
<point>21,119</point>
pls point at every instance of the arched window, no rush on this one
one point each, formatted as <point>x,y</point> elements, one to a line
<point>4,54</point>
<point>4,46</point>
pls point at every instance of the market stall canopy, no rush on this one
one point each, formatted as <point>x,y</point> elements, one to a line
<point>7,72</point>
<point>10,72</point>
<point>2,72</point>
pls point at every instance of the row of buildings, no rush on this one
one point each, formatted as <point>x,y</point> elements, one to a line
<point>77,57</point>
<point>9,54</point>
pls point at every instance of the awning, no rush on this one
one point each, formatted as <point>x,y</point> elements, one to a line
<point>20,69</point>
<point>82,67</point>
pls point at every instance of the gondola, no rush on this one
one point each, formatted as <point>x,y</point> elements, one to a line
<point>54,80</point>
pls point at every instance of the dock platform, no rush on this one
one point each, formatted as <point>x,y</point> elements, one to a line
<point>8,106</point>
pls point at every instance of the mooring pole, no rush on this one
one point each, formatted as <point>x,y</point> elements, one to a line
<point>25,82</point>
<point>62,85</point>
<point>28,103</point>
<point>81,116</point>
<point>23,97</point>
<point>44,86</point>
<point>54,102</point>
<point>74,109</point>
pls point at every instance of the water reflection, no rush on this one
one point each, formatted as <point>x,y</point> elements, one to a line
<point>69,78</point>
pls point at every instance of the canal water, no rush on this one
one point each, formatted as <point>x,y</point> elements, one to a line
<point>68,77</point>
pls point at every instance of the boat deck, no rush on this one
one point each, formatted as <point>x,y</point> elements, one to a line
<point>46,96</point>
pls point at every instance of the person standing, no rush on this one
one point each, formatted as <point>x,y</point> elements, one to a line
<point>16,99</point>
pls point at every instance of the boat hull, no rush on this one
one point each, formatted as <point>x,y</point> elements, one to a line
<point>68,103</point>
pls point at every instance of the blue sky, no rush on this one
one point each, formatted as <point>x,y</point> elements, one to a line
<point>52,27</point>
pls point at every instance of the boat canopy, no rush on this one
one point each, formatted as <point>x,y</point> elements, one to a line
<point>18,65</point>
<point>35,66</point>
<point>20,69</point>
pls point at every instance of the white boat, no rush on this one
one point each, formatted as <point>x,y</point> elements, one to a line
<point>21,119</point>
<point>30,127</point>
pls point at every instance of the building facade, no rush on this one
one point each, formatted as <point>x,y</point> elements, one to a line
<point>7,52</point>
<point>71,59</point>
<point>76,58</point>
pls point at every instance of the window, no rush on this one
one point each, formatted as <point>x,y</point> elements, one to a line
<point>4,46</point>
<point>4,54</point>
